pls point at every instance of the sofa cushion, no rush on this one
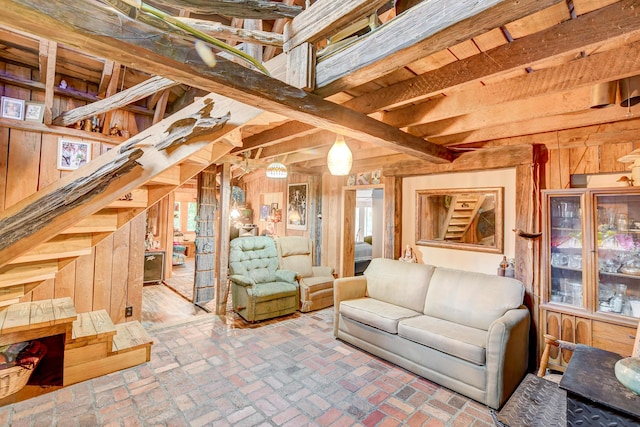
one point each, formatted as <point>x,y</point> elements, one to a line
<point>471,299</point>
<point>399,283</point>
<point>451,338</point>
<point>375,313</point>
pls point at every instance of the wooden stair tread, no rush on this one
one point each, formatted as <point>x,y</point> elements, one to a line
<point>130,336</point>
<point>30,315</point>
<point>93,324</point>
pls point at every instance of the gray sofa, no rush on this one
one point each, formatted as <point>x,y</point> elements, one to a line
<point>466,331</point>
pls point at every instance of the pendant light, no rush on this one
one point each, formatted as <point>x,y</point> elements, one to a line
<point>339,159</point>
<point>276,170</point>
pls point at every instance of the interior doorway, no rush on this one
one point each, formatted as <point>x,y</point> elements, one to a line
<point>362,228</point>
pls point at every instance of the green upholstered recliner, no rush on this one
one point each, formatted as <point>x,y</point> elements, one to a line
<point>258,288</point>
<point>316,282</point>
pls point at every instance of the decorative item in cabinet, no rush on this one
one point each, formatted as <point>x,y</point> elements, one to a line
<point>566,250</point>
<point>618,253</point>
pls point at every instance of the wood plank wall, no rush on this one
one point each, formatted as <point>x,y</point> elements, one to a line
<point>110,277</point>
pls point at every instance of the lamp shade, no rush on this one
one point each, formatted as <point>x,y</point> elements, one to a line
<point>339,159</point>
<point>276,170</point>
<point>630,91</point>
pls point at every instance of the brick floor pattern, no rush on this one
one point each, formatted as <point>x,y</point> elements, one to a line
<point>287,373</point>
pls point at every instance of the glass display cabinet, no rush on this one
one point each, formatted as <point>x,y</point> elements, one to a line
<point>590,281</point>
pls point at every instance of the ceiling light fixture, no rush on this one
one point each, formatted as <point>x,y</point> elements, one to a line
<point>276,170</point>
<point>339,159</point>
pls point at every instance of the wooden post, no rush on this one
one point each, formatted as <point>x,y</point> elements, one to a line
<point>222,290</point>
<point>204,283</point>
<point>392,216</point>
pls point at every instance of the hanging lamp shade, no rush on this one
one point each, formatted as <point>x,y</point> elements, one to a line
<point>339,159</point>
<point>276,170</point>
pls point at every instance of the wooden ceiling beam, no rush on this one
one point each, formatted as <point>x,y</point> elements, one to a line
<point>49,81</point>
<point>87,25</point>
<point>278,28</point>
<point>119,100</point>
<point>107,73</point>
<point>541,125</point>
<point>433,26</point>
<point>249,9</point>
<point>325,17</point>
<point>319,139</point>
<point>225,32</point>
<point>599,67</point>
<point>619,21</point>
<point>276,135</point>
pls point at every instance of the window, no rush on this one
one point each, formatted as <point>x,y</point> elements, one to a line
<point>192,211</point>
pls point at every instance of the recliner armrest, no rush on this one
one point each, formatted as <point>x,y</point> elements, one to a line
<point>320,271</point>
<point>239,279</point>
<point>287,276</point>
<point>346,288</point>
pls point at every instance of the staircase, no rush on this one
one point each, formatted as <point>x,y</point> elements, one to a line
<point>462,211</point>
<point>51,228</point>
<point>93,345</point>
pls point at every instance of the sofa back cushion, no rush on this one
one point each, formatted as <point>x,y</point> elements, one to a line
<point>295,254</point>
<point>400,283</point>
<point>470,298</point>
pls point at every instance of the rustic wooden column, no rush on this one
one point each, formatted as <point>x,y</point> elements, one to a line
<point>393,216</point>
<point>222,290</point>
<point>204,282</point>
<point>314,200</point>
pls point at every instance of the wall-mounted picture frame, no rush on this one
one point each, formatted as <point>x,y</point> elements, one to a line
<point>72,153</point>
<point>12,108</point>
<point>297,207</point>
<point>34,112</point>
<point>264,212</point>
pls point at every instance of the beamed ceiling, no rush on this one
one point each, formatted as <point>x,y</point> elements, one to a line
<point>430,81</point>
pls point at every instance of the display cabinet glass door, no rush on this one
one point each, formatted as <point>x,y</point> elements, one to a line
<point>566,250</point>
<point>618,253</point>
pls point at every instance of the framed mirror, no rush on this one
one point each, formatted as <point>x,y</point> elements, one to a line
<point>469,219</point>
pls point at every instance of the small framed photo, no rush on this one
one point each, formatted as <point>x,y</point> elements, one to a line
<point>351,180</point>
<point>34,112</point>
<point>12,108</point>
<point>364,178</point>
<point>264,212</point>
<point>375,176</point>
<point>72,153</point>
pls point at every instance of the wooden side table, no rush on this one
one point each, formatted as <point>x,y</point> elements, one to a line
<point>595,397</point>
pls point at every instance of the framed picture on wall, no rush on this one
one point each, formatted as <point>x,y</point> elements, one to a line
<point>297,207</point>
<point>12,108</point>
<point>34,112</point>
<point>72,153</point>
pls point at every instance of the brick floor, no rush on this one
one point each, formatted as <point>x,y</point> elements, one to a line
<point>288,373</point>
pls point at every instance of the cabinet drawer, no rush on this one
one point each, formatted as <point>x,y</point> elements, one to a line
<point>616,338</point>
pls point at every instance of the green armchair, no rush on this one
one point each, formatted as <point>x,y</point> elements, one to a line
<point>258,288</point>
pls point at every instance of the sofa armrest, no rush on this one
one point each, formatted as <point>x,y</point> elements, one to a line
<point>507,354</point>
<point>241,280</point>
<point>321,271</point>
<point>346,288</point>
<point>287,276</point>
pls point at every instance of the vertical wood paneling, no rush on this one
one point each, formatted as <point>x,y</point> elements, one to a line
<point>23,165</point>
<point>136,265</point>
<point>4,158</point>
<point>584,160</point>
<point>46,290</point>
<point>609,155</point>
<point>103,268</point>
<point>49,171</point>
<point>119,274</point>
<point>64,282</point>
<point>83,298</point>
<point>348,233</point>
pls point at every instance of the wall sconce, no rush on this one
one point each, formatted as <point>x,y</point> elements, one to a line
<point>339,159</point>
<point>603,94</point>
<point>276,170</point>
<point>629,91</point>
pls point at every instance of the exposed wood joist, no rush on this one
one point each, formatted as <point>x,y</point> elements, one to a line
<point>325,17</point>
<point>107,72</point>
<point>430,27</point>
<point>119,100</point>
<point>610,23</point>
<point>250,9</point>
<point>596,68</point>
<point>49,81</point>
<point>225,32</point>
<point>278,28</point>
<point>87,25</point>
